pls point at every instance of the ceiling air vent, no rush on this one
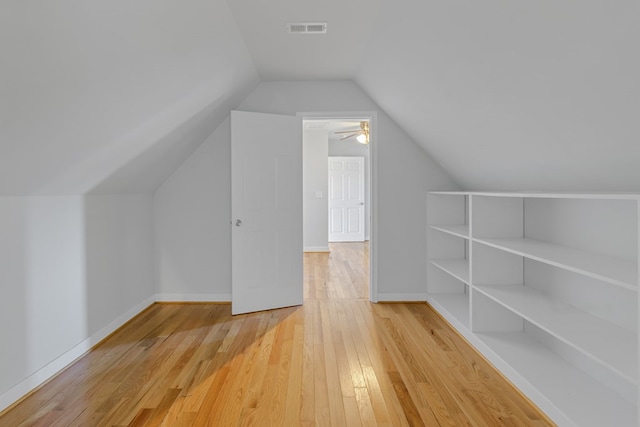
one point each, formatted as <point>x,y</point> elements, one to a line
<point>307,27</point>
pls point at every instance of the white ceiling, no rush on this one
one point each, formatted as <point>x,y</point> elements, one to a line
<point>87,90</point>
<point>514,95</point>
<point>505,95</point>
<point>279,55</point>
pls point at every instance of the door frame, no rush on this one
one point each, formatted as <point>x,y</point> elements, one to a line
<point>372,116</point>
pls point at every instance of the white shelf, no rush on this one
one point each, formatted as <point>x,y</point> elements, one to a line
<point>454,307</point>
<point>545,195</point>
<point>605,342</point>
<point>576,395</point>
<point>616,271</point>
<point>458,268</point>
<point>457,230</point>
<point>450,193</point>
<point>576,351</point>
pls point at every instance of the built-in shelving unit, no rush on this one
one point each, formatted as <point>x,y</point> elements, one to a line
<point>545,285</point>
<point>617,271</point>
<point>449,261</point>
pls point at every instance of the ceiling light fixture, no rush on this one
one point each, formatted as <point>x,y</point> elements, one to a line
<point>362,134</point>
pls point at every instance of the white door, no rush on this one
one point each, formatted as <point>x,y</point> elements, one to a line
<point>266,211</point>
<point>346,199</point>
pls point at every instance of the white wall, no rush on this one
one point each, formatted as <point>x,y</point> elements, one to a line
<point>119,255</point>
<point>352,148</point>
<point>73,270</point>
<point>192,225</point>
<point>315,179</point>
<point>43,304</point>
<point>192,207</point>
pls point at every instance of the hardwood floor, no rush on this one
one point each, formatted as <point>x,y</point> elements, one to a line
<point>341,274</point>
<point>336,361</point>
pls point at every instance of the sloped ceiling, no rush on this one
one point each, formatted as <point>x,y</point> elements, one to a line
<point>514,95</point>
<point>505,95</point>
<point>110,96</point>
<point>279,55</point>
<point>86,88</point>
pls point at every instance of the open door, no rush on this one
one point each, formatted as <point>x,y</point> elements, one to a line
<point>266,211</point>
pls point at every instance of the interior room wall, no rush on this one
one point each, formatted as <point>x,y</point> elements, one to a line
<point>193,207</point>
<point>352,148</point>
<point>43,296</point>
<point>192,212</point>
<point>314,190</point>
<point>119,256</point>
<point>74,269</point>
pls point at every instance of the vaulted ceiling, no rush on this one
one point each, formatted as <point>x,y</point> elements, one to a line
<point>97,95</point>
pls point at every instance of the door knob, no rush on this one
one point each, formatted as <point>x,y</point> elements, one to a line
<point>238,223</point>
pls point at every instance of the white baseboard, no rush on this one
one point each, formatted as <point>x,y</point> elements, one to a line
<point>316,249</point>
<point>52,368</point>
<point>400,297</point>
<point>193,297</point>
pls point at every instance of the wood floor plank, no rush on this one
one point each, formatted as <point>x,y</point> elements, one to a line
<point>365,409</point>
<point>351,411</point>
<point>338,360</point>
<point>294,385</point>
<point>334,388</point>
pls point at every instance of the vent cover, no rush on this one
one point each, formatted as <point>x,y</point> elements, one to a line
<point>307,27</point>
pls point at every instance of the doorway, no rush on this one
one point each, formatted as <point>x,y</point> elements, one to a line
<point>325,137</point>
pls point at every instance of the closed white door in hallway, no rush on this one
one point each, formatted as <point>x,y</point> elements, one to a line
<point>346,199</point>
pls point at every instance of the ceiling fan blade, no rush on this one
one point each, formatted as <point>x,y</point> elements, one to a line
<point>349,131</point>
<point>348,136</point>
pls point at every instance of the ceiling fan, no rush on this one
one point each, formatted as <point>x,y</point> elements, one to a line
<point>362,134</point>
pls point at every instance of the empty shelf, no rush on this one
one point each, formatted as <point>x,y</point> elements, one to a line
<point>605,342</point>
<point>458,268</point>
<point>456,230</point>
<point>617,271</point>
<point>570,391</point>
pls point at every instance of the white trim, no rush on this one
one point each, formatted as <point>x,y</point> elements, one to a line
<point>193,297</point>
<point>373,198</point>
<point>401,297</point>
<point>45,373</point>
<point>317,249</point>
